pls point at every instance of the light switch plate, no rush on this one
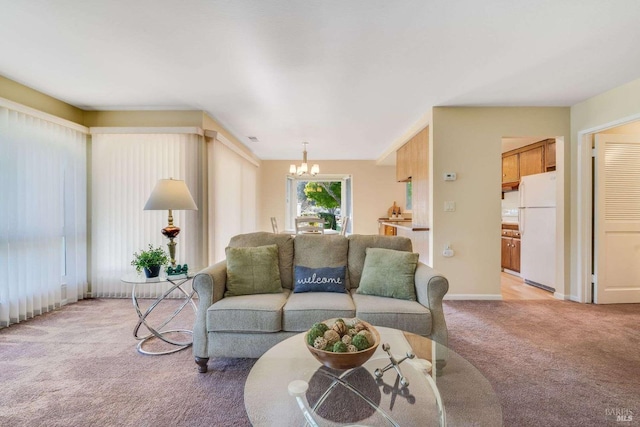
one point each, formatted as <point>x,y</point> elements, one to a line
<point>449,206</point>
<point>450,176</point>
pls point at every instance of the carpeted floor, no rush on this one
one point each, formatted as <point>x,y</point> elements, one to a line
<point>551,363</point>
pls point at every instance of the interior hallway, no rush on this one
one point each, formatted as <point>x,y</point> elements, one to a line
<point>514,288</point>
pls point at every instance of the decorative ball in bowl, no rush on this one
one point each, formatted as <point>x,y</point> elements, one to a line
<point>342,343</point>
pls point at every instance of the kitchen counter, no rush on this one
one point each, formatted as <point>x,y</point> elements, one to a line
<point>404,227</point>
<point>403,224</point>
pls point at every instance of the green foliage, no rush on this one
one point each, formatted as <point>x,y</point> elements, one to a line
<point>329,218</point>
<point>149,258</point>
<point>324,194</point>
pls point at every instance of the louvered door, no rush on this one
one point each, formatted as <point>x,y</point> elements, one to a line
<point>617,219</point>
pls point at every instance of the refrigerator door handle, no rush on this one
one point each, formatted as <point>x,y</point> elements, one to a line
<point>521,221</point>
<point>521,213</point>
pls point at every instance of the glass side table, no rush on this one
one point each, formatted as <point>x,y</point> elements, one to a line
<point>177,283</point>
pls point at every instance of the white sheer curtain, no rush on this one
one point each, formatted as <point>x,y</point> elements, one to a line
<point>125,168</point>
<point>43,248</point>
<point>233,182</point>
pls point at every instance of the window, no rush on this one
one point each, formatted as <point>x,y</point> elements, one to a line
<point>43,229</point>
<point>408,197</point>
<point>126,167</point>
<point>328,196</point>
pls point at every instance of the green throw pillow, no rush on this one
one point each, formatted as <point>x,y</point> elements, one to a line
<point>389,273</point>
<point>252,271</point>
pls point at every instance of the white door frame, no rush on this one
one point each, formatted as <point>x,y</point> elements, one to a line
<point>584,264</point>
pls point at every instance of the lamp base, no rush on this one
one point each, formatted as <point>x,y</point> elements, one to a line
<point>171,231</point>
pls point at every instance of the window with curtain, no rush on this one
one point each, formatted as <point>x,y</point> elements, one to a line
<point>43,239</point>
<point>125,169</point>
<point>233,184</point>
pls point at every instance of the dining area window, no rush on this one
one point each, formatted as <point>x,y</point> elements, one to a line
<point>328,197</point>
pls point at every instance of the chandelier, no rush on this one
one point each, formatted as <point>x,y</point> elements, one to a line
<point>303,169</point>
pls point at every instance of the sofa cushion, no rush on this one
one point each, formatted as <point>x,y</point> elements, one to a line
<point>252,271</point>
<point>321,250</point>
<point>285,250</point>
<point>325,279</point>
<point>247,313</point>
<point>389,273</point>
<point>408,316</point>
<point>304,309</point>
<point>358,245</point>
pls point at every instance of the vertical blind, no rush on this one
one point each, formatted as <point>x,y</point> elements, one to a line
<point>125,168</point>
<point>43,257</point>
<point>233,181</point>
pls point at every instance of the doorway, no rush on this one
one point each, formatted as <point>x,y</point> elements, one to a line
<point>608,215</point>
<point>532,231</point>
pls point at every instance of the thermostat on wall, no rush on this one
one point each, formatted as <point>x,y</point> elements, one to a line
<point>449,176</point>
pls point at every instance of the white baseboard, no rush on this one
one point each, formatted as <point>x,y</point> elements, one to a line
<point>483,297</point>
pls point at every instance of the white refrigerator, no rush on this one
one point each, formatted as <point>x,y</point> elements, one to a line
<point>537,225</point>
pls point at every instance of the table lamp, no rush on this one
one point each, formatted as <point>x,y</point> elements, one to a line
<point>170,194</point>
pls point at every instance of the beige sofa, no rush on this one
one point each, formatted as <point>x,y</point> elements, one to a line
<point>248,325</point>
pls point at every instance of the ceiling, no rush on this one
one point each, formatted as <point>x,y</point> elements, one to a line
<point>351,77</point>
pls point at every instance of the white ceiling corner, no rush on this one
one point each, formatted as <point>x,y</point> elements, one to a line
<point>349,77</point>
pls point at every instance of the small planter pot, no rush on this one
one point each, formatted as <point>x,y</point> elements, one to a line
<point>153,271</point>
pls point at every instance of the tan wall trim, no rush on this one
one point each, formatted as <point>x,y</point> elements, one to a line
<point>42,115</point>
<point>28,97</point>
<point>233,147</point>
<point>146,130</point>
<point>143,118</point>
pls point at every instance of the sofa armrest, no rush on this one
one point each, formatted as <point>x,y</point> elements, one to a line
<point>209,284</point>
<point>431,286</point>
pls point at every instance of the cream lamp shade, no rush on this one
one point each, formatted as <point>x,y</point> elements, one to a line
<point>171,194</point>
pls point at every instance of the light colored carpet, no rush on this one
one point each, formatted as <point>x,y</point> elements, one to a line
<point>551,363</point>
<point>79,367</point>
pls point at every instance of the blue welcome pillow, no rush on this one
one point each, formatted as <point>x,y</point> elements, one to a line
<point>326,279</point>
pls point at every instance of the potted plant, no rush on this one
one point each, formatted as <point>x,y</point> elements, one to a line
<point>150,260</point>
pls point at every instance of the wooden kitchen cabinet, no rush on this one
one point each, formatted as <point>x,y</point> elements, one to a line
<point>510,169</point>
<point>412,164</point>
<point>511,250</point>
<point>404,162</point>
<point>390,231</point>
<point>550,155</point>
<point>532,161</point>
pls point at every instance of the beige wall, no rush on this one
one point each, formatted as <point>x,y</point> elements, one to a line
<point>31,98</point>
<point>374,191</point>
<point>617,106</point>
<point>145,118</point>
<point>468,141</point>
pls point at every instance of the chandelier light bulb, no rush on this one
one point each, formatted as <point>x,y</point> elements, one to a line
<point>303,169</point>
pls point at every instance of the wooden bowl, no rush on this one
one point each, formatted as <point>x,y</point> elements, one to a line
<point>345,360</point>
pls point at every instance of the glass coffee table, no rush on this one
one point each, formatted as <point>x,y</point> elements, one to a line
<point>288,386</point>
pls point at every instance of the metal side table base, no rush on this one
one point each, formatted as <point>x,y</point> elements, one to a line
<point>158,332</point>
